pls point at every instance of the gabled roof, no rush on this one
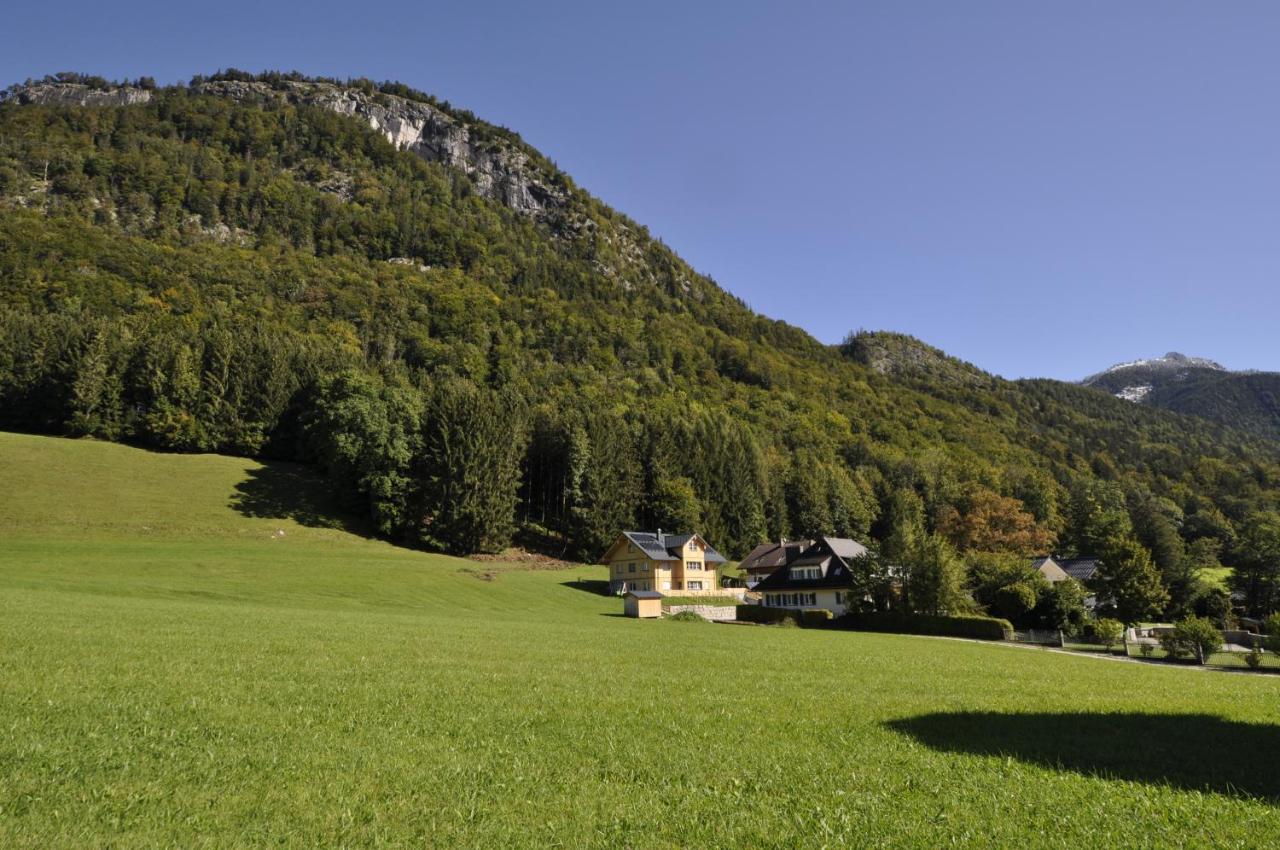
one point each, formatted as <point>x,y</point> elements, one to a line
<point>767,557</point>
<point>830,552</point>
<point>1080,569</point>
<point>667,546</point>
<point>648,543</point>
<point>837,576</point>
<point>845,547</point>
<point>1050,569</point>
<point>644,594</point>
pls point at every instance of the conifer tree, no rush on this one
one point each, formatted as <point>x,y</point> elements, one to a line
<point>469,468</point>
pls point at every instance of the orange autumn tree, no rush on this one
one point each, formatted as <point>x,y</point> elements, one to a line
<point>989,522</point>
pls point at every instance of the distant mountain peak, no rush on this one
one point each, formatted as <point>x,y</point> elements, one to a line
<point>1199,387</point>
<point>1172,361</point>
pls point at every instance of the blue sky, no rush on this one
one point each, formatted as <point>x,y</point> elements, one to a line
<point>1040,188</point>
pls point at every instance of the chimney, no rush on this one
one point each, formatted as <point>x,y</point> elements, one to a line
<point>660,540</point>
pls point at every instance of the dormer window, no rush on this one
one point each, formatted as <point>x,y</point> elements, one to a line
<point>806,573</point>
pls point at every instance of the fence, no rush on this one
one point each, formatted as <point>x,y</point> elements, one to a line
<point>1039,637</point>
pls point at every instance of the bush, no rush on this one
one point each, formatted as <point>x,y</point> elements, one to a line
<point>1195,636</point>
<point>816,618</point>
<point>687,617</point>
<point>981,628</point>
<point>1146,650</point>
<point>1108,632</point>
<point>1272,628</point>
<point>1199,636</point>
<point>764,614</point>
<point>1254,658</point>
<point>809,618</point>
<point>1172,644</point>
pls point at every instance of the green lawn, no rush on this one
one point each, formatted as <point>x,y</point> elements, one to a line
<point>1217,576</point>
<point>176,672</point>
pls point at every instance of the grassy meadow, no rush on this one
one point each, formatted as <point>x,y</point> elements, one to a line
<point>196,651</point>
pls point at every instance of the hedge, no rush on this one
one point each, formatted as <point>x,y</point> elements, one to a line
<point>811,617</point>
<point>764,614</point>
<point>816,617</point>
<point>982,628</point>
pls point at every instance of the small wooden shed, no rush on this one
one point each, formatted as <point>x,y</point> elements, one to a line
<point>642,603</point>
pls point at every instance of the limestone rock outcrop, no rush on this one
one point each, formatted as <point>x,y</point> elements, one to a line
<point>498,167</point>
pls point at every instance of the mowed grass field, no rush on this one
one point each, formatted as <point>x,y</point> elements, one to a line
<point>183,665</point>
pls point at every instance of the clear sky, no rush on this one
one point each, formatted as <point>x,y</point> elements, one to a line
<point>1040,188</point>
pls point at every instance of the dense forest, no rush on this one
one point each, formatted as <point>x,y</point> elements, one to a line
<point>260,277</point>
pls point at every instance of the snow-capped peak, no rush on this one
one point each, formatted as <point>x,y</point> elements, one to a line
<point>1172,360</point>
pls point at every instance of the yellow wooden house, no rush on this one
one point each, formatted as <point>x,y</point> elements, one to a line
<point>667,563</point>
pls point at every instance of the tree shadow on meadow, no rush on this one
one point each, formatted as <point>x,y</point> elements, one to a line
<point>287,491</point>
<point>597,587</point>
<point>1198,752</point>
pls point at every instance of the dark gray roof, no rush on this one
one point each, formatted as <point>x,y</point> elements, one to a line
<point>844,547</point>
<point>644,594</point>
<point>815,559</point>
<point>825,549</point>
<point>1080,569</point>
<point>668,547</point>
<point>769,556</point>
<point>837,576</point>
<point>647,542</point>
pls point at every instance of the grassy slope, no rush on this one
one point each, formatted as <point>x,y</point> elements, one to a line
<point>174,672</point>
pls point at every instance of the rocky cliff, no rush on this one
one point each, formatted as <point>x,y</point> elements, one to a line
<point>498,168</point>
<point>76,94</point>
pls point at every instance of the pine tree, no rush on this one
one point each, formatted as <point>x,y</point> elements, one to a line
<point>469,468</point>
<point>604,484</point>
<point>1257,564</point>
<point>935,578</point>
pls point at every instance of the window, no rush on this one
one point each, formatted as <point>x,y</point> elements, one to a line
<point>695,585</point>
<point>806,573</point>
<point>666,585</point>
<point>631,568</point>
<point>693,565</point>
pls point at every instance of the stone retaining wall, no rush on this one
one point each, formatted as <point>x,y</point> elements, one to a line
<point>706,612</point>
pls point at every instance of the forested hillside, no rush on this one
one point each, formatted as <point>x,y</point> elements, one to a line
<point>472,352</point>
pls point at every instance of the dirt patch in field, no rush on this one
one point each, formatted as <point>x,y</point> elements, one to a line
<point>522,559</point>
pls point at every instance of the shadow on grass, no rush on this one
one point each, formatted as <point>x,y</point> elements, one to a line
<point>286,491</point>
<point>599,587</point>
<point>1198,752</point>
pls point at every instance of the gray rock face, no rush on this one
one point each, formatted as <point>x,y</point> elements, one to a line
<point>76,94</point>
<point>499,170</point>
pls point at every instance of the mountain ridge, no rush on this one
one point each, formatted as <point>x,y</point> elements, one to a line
<point>1248,399</point>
